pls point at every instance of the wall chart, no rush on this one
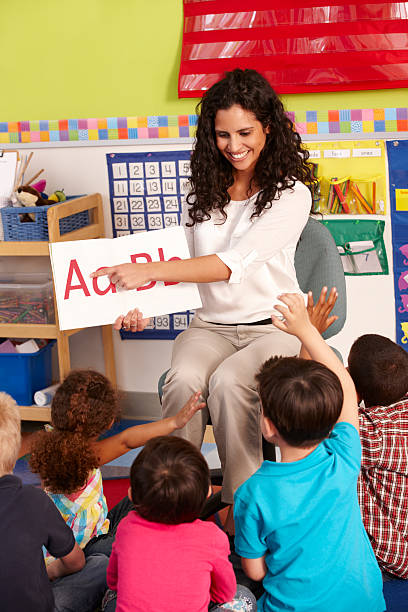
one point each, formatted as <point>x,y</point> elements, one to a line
<point>146,193</point>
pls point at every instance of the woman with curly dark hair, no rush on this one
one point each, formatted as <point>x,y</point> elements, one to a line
<point>245,212</point>
<point>68,455</point>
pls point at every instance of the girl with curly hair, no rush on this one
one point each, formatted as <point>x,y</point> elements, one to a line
<point>248,204</point>
<point>69,454</point>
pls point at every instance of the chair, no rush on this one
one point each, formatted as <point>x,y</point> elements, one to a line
<point>317,264</point>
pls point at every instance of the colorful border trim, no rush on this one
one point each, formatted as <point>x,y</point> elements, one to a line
<point>358,121</point>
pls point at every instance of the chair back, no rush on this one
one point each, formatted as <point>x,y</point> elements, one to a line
<point>318,264</point>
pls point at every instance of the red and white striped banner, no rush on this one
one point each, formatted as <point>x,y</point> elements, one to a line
<point>298,46</point>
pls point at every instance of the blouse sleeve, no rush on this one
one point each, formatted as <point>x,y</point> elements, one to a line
<point>272,231</point>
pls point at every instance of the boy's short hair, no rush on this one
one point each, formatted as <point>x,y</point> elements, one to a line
<point>10,433</point>
<point>169,481</point>
<point>379,369</point>
<point>302,398</point>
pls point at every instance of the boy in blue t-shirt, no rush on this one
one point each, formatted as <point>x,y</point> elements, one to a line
<point>298,522</point>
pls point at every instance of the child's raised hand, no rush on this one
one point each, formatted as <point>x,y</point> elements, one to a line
<point>189,409</point>
<point>295,317</point>
<point>319,312</point>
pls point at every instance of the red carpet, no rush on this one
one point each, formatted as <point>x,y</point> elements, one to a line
<point>115,490</point>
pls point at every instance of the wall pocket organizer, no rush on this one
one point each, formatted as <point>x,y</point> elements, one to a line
<point>351,177</point>
<point>361,245</point>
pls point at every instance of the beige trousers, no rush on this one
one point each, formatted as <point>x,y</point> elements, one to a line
<point>221,361</point>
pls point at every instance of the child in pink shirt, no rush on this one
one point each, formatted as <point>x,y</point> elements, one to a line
<point>164,557</point>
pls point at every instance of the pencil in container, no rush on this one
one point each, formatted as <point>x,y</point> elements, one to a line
<point>341,198</point>
<point>361,198</point>
<point>331,198</point>
<point>374,195</point>
<point>345,190</point>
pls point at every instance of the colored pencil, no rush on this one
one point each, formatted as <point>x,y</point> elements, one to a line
<point>342,199</point>
<point>360,198</point>
<point>374,195</point>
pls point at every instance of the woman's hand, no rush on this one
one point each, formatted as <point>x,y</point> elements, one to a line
<point>125,276</point>
<point>319,312</point>
<point>133,321</point>
<point>188,411</point>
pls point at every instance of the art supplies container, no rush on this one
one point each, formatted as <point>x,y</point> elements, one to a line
<point>26,298</point>
<point>16,229</point>
<point>22,374</point>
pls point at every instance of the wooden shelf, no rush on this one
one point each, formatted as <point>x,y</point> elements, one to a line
<point>27,330</point>
<point>24,248</point>
<point>35,413</point>
<point>31,330</point>
<point>93,205</point>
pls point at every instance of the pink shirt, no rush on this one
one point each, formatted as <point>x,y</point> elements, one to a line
<point>175,568</point>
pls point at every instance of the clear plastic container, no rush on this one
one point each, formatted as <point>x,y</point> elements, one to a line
<point>26,298</point>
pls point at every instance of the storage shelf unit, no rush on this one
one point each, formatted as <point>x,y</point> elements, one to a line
<point>93,204</point>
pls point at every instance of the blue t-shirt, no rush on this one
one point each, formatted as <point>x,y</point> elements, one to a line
<point>305,518</point>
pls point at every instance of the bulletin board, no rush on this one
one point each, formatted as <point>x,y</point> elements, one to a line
<point>398,175</point>
<point>146,193</point>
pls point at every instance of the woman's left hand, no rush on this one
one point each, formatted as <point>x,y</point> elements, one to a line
<point>133,321</point>
<point>125,276</point>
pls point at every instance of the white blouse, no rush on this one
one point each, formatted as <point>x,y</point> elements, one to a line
<point>259,252</point>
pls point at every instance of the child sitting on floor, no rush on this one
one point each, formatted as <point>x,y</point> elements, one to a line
<point>68,457</point>
<point>379,369</point>
<point>30,521</point>
<point>298,522</point>
<point>164,557</point>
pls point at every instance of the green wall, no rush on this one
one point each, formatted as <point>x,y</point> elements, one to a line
<point>101,58</point>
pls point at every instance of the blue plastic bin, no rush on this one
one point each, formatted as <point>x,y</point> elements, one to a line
<point>15,229</point>
<point>22,374</point>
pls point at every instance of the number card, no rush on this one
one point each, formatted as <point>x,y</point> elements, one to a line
<point>147,191</point>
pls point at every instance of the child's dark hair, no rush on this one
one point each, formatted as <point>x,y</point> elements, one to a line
<point>169,481</point>
<point>302,398</point>
<point>379,369</point>
<point>83,407</point>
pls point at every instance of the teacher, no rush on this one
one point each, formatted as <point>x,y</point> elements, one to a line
<point>246,209</point>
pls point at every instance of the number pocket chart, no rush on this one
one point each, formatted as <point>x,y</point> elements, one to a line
<point>146,193</point>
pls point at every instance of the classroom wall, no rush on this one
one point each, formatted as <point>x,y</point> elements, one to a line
<point>101,59</point>
<point>140,363</point>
